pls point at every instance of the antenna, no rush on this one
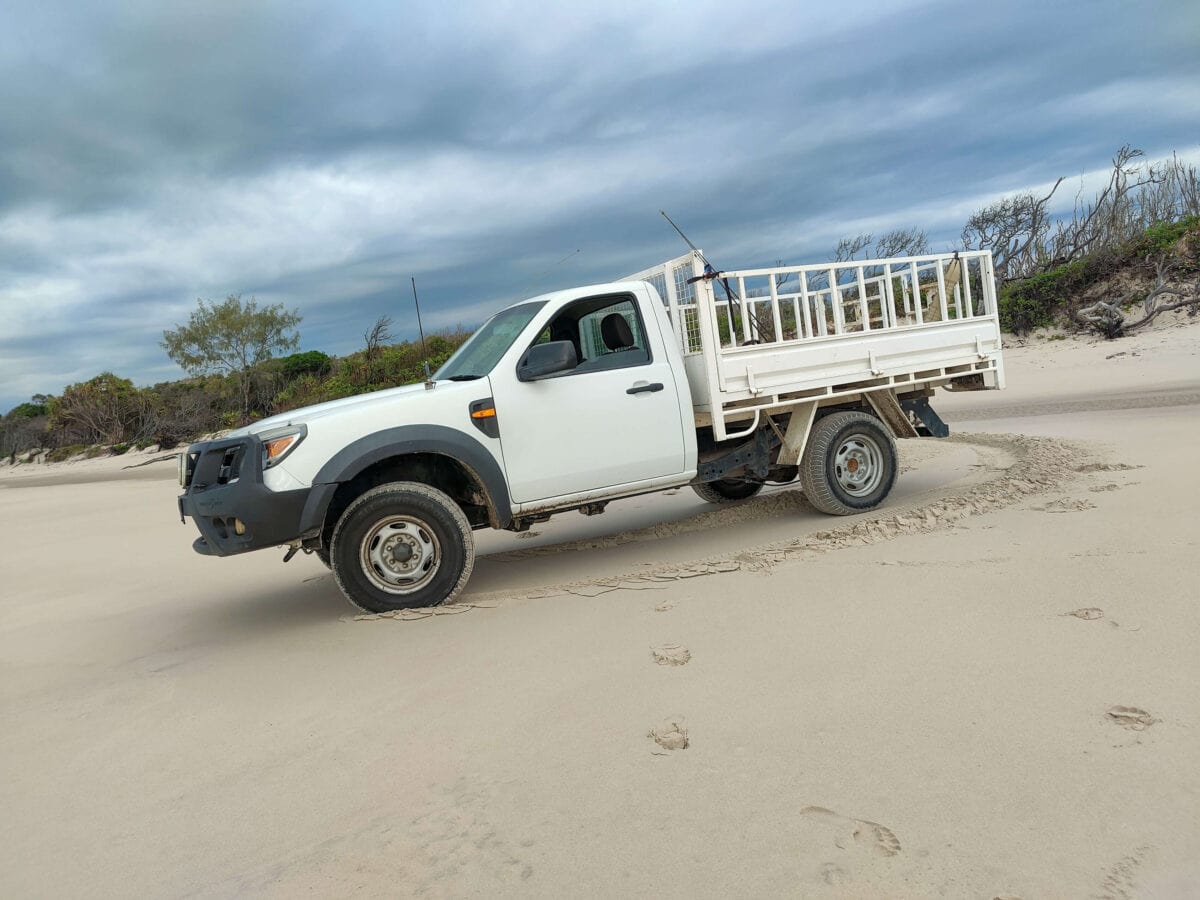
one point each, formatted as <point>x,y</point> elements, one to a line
<point>537,281</point>
<point>710,273</point>
<point>429,383</point>
<point>679,231</point>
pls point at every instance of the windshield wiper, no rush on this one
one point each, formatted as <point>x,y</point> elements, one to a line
<point>464,377</point>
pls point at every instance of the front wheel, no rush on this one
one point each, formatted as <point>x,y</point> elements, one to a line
<point>402,545</point>
<point>849,464</point>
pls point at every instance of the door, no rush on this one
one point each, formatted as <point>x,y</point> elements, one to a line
<point>612,420</point>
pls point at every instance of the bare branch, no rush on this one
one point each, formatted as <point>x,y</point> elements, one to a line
<point>849,248</point>
<point>377,335</point>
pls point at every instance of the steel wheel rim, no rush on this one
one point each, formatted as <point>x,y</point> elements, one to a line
<point>400,554</point>
<point>858,465</point>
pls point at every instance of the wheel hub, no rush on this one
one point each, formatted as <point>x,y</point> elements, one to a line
<point>400,554</point>
<point>858,465</point>
<point>403,550</point>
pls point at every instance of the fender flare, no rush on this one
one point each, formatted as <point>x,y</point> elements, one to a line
<point>404,440</point>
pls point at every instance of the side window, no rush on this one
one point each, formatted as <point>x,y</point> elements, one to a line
<point>607,333</point>
<point>611,335</point>
<point>615,328</point>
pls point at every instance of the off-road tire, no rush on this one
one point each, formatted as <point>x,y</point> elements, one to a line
<point>727,490</point>
<point>402,513</point>
<point>849,464</point>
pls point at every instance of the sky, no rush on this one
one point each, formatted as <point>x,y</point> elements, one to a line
<point>318,155</point>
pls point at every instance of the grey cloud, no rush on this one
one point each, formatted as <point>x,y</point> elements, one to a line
<point>151,154</point>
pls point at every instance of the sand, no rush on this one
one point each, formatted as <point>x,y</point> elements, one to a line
<point>987,688</point>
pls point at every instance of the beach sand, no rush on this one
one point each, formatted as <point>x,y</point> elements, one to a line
<point>986,688</point>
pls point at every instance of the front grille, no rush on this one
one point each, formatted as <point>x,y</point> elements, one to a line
<point>231,465</point>
<point>216,463</point>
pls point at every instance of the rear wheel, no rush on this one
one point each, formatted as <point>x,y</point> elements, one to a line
<point>402,545</point>
<point>849,464</point>
<point>726,490</point>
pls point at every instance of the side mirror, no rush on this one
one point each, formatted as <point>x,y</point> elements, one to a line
<point>547,359</point>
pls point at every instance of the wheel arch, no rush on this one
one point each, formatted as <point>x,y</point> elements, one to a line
<point>441,457</point>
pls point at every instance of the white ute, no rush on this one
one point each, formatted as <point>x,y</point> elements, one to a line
<point>677,375</point>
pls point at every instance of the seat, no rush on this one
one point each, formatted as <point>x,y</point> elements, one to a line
<point>616,333</point>
<point>617,336</point>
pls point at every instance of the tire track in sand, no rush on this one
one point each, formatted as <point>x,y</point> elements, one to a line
<point>1017,467</point>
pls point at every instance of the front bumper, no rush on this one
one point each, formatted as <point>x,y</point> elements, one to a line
<point>234,510</point>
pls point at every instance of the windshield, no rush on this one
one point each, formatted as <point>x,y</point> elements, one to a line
<point>483,349</point>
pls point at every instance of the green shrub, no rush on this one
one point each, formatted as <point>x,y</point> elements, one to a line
<point>28,411</point>
<point>311,362</point>
<point>1032,302</point>
<point>1163,237</point>
<point>119,449</point>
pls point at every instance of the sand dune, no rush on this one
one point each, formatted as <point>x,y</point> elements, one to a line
<point>986,688</point>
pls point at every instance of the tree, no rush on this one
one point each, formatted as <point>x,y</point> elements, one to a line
<point>377,336</point>
<point>24,426</point>
<point>898,242</point>
<point>104,410</point>
<point>1111,217</point>
<point>1015,229</point>
<point>232,337</point>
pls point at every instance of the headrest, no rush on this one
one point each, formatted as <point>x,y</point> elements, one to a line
<point>616,332</point>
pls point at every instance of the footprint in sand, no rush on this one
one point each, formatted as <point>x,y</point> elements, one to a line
<point>855,834</point>
<point>671,655</point>
<point>1120,881</point>
<point>834,875</point>
<point>1131,718</point>
<point>1101,488</point>
<point>1086,612</point>
<point>670,736</point>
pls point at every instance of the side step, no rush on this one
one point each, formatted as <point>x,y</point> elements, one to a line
<point>931,422</point>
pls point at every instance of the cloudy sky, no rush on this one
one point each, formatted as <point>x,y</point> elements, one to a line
<point>317,155</point>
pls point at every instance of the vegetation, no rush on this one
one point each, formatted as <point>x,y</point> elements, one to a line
<point>110,412</point>
<point>1057,295</point>
<point>1129,237</point>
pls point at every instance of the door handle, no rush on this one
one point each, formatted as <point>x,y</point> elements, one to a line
<point>646,388</point>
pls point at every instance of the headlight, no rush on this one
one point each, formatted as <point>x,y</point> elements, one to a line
<point>279,442</point>
<point>187,465</point>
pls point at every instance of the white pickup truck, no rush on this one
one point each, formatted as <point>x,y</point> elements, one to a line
<point>674,376</point>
